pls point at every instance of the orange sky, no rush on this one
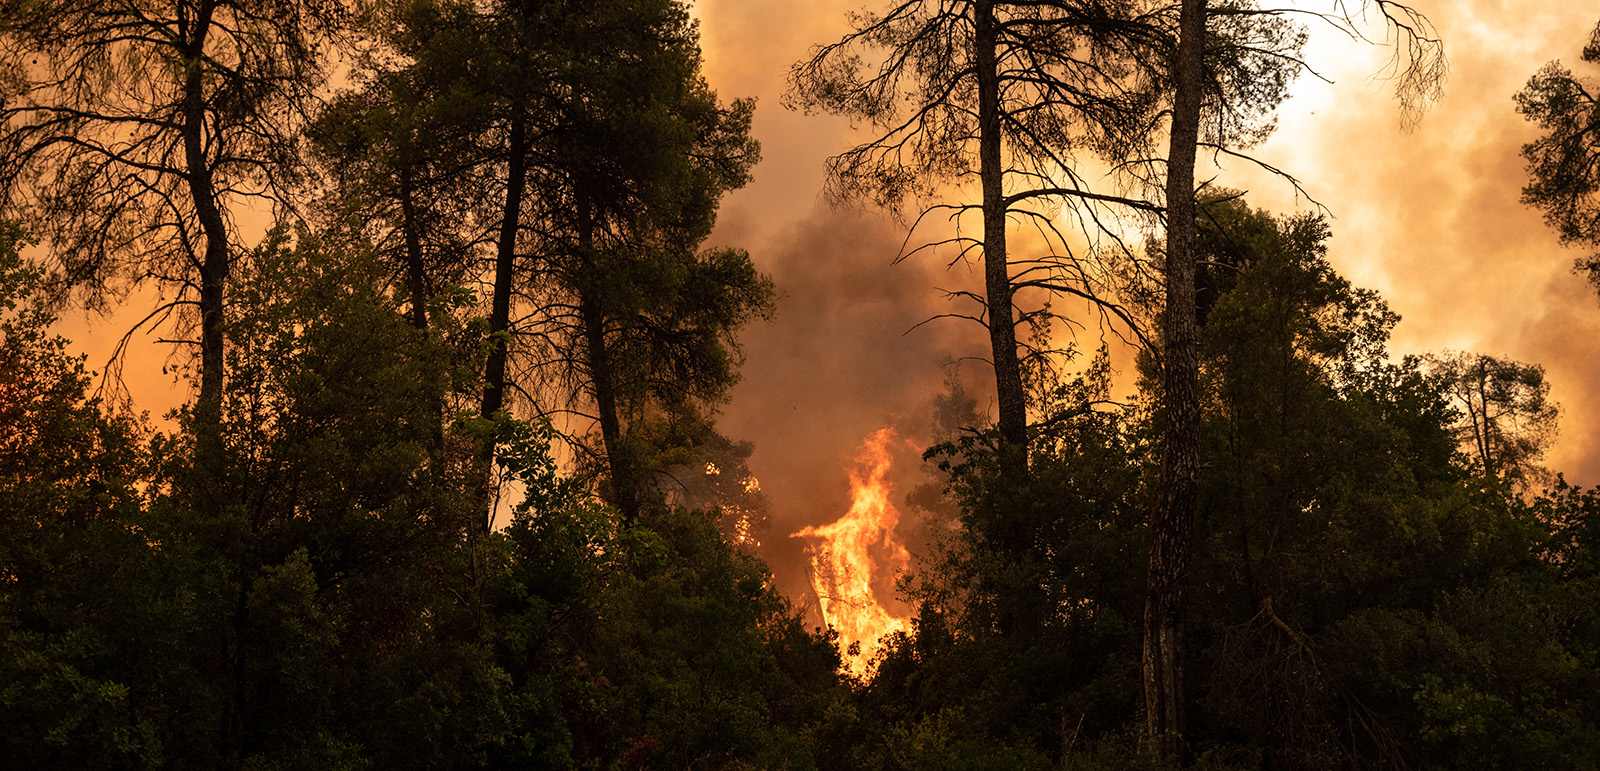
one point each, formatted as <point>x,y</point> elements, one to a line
<point>1430,218</point>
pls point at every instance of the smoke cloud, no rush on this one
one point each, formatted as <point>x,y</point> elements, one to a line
<point>840,360</point>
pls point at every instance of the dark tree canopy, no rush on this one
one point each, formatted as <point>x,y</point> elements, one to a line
<point>629,318</point>
<point>405,152</point>
<point>1564,163</point>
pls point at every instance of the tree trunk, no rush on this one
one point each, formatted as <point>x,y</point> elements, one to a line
<point>1173,515</point>
<point>214,265</point>
<point>417,278</point>
<point>1013,418</point>
<point>416,272</point>
<point>624,487</point>
<point>494,374</point>
<point>504,264</point>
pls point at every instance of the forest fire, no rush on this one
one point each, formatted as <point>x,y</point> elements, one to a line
<point>857,556</point>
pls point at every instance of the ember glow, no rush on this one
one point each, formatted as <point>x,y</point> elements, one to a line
<point>856,556</point>
<point>743,519</point>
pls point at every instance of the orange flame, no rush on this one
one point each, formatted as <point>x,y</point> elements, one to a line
<point>856,554</point>
<point>744,520</point>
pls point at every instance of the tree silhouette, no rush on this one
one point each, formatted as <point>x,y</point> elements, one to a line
<point>1564,163</point>
<point>406,151</point>
<point>631,320</point>
<point>131,138</point>
<point>1506,419</point>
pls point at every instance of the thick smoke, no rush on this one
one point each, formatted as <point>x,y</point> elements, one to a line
<point>840,360</point>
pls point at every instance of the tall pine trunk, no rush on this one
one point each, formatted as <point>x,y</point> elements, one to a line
<point>1172,518</point>
<point>505,261</point>
<point>1012,402</point>
<point>417,278</point>
<point>214,264</point>
<point>494,375</point>
<point>602,374</point>
<point>416,271</point>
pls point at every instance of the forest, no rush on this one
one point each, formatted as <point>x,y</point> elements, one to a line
<point>443,284</point>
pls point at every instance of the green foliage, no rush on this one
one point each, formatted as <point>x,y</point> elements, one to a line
<point>652,644</point>
<point>1360,598</point>
<point>71,552</point>
<point>321,593</point>
<point>404,151</point>
<point>348,637</point>
<point>639,318</point>
<point>1027,613</point>
<point>1335,502</point>
<point>316,592</point>
<point>335,614</point>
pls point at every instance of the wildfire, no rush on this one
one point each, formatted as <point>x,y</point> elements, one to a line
<point>858,554</point>
<point>743,519</point>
